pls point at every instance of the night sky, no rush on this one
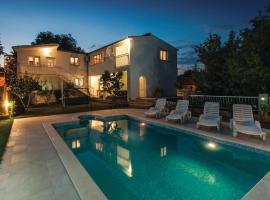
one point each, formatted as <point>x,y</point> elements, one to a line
<point>182,23</point>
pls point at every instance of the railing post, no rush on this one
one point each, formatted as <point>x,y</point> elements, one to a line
<point>263,106</point>
<point>62,94</point>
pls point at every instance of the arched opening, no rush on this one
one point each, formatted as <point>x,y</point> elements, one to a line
<point>142,87</point>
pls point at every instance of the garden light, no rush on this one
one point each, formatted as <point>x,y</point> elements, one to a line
<point>6,104</point>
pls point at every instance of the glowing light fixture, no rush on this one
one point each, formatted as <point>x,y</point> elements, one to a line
<point>262,98</point>
<point>46,51</point>
<point>128,43</point>
<point>142,124</point>
<point>6,104</point>
<point>211,145</point>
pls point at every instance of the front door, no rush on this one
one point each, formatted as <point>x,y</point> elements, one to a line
<point>142,87</point>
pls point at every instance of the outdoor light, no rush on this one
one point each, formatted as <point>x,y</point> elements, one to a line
<point>211,145</point>
<point>142,124</point>
<point>262,98</point>
<point>6,104</point>
<point>128,43</point>
<point>46,51</point>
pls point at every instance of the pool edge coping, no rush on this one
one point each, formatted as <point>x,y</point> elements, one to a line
<point>249,195</point>
<point>83,183</point>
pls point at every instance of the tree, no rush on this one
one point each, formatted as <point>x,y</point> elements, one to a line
<point>1,48</point>
<point>111,82</point>
<point>65,41</point>
<point>46,91</point>
<point>116,83</point>
<point>238,66</point>
<point>105,82</point>
<point>211,53</point>
<point>21,87</point>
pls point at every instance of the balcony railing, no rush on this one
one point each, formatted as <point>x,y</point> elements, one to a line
<point>55,70</point>
<point>122,60</point>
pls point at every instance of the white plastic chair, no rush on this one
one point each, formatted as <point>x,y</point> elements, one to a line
<point>210,116</point>
<point>243,121</point>
<point>157,110</point>
<point>181,112</point>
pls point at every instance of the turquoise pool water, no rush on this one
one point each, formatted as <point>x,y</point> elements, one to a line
<point>132,160</point>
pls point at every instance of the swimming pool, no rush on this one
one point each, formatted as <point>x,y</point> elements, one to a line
<point>129,159</point>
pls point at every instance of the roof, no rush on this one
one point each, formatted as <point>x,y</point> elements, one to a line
<point>131,36</point>
<point>45,45</point>
<point>57,45</point>
<point>34,46</point>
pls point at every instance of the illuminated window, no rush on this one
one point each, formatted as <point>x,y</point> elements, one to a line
<point>97,59</point>
<point>33,60</point>
<point>74,61</point>
<point>50,62</point>
<point>164,55</point>
<point>99,146</point>
<point>76,144</point>
<point>163,151</point>
<point>79,81</point>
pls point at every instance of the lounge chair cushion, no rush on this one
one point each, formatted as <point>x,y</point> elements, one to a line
<point>248,127</point>
<point>152,112</point>
<point>208,121</point>
<point>175,116</point>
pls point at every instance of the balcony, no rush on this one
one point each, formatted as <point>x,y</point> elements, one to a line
<point>122,60</point>
<point>47,70</point>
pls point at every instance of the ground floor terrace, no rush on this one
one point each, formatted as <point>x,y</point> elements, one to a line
<point>131,89</point>
<point>32,168</point>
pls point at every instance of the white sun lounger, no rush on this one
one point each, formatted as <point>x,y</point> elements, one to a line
<point>157,110</point>
<point>181,112</point>
<point>210,116</point>
<point>243,121</point>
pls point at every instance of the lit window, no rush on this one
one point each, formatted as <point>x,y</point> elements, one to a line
<point>164,55</point>
<point>97,59</point>
<point>33,60</point>
<point>76,144</point>
<point>74,61</point>
<point>50,62</point>
<point>78,81</point>
<point>163,151</point>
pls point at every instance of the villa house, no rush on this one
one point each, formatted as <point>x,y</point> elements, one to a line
<point>50,65</point>
<point>147,62</point>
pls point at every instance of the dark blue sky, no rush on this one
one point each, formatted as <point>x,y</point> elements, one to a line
<point>181,23</point>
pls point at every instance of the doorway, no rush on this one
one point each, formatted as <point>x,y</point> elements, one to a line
<point>142,87</point>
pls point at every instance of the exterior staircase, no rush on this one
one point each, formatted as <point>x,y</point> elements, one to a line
<point>143,103</point>
<point>67,75</point>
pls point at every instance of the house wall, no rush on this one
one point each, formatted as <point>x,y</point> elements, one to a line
<point>108,63</point>
<point>145,61</point>
<point>62,69</point>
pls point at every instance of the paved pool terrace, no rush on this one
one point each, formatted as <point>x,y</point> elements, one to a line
<point>36,165</point>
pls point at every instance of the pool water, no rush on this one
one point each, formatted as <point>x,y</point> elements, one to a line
<point>133,160</point>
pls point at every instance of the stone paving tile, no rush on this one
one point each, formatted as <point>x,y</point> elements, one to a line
<point>32,168</point>
<point>24,171</point>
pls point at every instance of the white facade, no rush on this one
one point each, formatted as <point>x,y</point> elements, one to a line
<point>140,58</point>
<point>148,64</point>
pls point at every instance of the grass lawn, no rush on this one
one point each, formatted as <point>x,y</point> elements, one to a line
<point>5,126</point>
<point>57,109</point>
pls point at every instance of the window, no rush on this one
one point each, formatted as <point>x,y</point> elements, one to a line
<point>121,56</point>
<point>50,62</point>
<point>97,59</point>
<point>33,60</point>
<point>164,55</point>
<point>79,82</point>
<point>74,61</point>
